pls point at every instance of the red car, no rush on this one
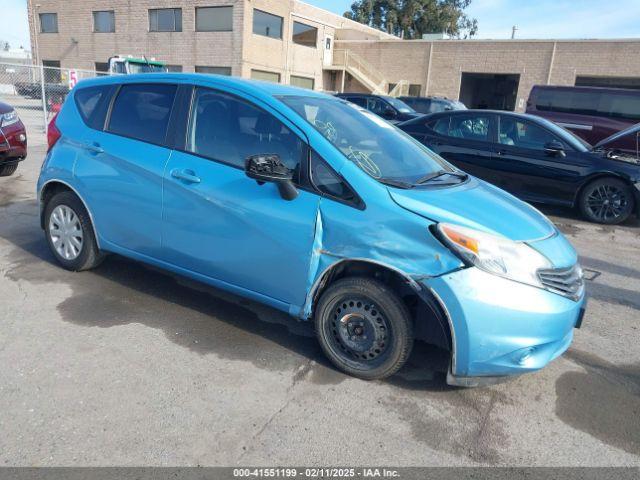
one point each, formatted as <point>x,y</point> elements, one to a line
<point>13,140</point>
<point>592,113</point>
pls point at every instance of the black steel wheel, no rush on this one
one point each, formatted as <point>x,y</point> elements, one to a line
<point>364,328</point>
<point>607,200</point>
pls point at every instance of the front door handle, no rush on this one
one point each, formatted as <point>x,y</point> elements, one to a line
<point>188,176</point>
<point>501,152</point>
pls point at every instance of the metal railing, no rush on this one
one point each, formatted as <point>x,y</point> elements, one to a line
<point>38,90</point>
<point>361,69</point>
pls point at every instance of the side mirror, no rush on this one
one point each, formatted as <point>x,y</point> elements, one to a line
<point>269,168</point>
<point>554,149</point>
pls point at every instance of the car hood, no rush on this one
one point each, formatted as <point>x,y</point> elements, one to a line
<point>5,108</point>
<point>633,130</point>
<point>479,205</point>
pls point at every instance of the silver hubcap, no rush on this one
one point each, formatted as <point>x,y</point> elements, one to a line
<point>65,232</point>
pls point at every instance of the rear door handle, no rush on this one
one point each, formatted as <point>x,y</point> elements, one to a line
<point>93,147</point>
<point>188,176</point>
<point>501,152</point>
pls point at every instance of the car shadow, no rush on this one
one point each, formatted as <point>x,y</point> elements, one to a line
<point>193,315</point>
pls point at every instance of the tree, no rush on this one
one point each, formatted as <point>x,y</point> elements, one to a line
<point>412,18</point>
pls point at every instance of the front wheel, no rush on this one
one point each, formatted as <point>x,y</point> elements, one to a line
<point>606,200</point>
<point>364,328</point>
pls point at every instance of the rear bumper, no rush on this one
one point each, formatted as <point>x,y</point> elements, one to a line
<point>502,328</point>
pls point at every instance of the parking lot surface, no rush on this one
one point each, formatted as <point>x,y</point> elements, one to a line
<point>127,365</point>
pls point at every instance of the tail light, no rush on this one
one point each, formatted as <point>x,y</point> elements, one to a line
<point>53,134</point>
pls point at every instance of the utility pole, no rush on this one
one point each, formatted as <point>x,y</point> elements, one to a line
<point>514,29</point>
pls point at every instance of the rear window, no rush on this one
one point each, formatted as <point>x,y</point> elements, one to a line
<point>142,111</point>
<point>93,103</point>
<point>589,102</point>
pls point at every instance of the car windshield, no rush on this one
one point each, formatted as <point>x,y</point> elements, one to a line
<point>145,68</point>
<point>377,147</point>
<point>399,105</point>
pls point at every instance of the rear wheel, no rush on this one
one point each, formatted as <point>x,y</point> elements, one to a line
<point>6,170</point>
<point>364,328</point>
<point>69,233</point>
<point>606,200</point>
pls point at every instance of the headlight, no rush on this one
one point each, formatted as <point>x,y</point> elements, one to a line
<point>9,118</point>
<point>494,254</point>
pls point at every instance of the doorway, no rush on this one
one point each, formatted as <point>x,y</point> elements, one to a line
<point>494,91</point>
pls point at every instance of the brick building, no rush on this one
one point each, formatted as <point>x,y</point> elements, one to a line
<point>289,41</point>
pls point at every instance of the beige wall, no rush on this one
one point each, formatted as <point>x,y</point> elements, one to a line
<point>77,46</point>
<point>535,61</point>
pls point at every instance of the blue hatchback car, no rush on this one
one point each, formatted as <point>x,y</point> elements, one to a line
<point>316,207</point>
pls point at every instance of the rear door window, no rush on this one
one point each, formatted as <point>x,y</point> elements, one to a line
<point>470,127</point>
<point>93,103</point>
<point>142,111</point>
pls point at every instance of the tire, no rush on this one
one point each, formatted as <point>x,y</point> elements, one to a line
<point>364,328</point>
<point>66,215</point>
<point>7,170</point>
<point>606,200</point>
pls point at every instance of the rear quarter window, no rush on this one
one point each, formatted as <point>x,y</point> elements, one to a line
<point>142,111</point>
<point>93,103</point>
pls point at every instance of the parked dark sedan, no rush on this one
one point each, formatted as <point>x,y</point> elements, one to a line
<point>535,160</point>
<point>13,140</point>
<point>389,108</point>
<point>433,104</point>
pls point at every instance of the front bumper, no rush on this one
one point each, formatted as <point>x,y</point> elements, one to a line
<point>13,143</point>
<point>502,328</point>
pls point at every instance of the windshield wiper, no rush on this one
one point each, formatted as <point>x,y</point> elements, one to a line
<point>441,173</point>
<point>395,183</point>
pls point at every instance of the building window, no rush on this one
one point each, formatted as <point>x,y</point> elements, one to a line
<point>174,68</point>
<point>414,90</point>
<point>52,71</point>
<point>104,22</point>
<point>302,82</point>
<point>102,67</point>
<point>265,76</point>
<point>305,34</point>
<point>214,19</point>
<point>165,20</point>
<point>214,70</point>
<point>267,24</point>
<point>48,23</point>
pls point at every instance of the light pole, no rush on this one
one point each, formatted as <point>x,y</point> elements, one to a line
<point>38,61</point>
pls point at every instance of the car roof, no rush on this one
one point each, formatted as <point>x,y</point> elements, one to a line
<point>254,87</point>
<point>584,88</point>
<point>524,116</point>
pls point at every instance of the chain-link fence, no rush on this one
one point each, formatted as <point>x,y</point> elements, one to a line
<point>37,91</point>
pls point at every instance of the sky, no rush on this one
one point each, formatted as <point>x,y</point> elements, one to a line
<point>534,18</point>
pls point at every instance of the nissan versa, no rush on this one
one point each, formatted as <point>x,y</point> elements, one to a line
<point>316,207</point>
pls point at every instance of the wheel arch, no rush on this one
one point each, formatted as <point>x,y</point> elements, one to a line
<point>55,186</point>
<point>432,322</point>
<point>599,176</point>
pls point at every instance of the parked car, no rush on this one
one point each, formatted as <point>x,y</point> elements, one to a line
<point>432,104</point>
<point>13,140</point>
<point>534,159</point>
<point>34,90</point>
<point>316,207</point>
<point>389,108</point>
<point>592,113</point>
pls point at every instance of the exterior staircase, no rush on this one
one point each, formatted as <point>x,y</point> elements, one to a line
<point>366,74</point>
